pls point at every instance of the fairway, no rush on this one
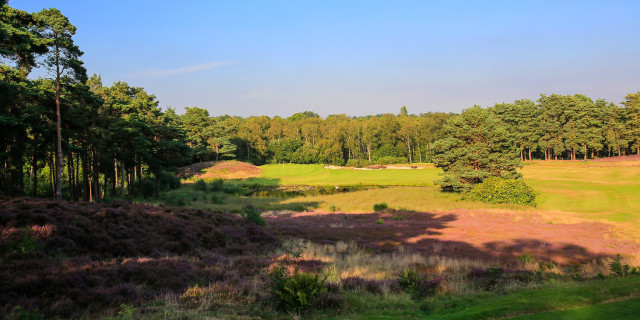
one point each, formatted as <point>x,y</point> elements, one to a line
<point>598,190</point>
<point>315,174</point>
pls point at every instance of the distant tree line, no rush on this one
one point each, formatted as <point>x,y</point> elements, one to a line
<point>69,135</point>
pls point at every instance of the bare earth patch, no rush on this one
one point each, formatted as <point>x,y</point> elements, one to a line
<point>220,170</point>
<point>460,233</point>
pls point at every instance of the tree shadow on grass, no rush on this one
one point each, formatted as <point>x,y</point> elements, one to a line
<point>423,233</point>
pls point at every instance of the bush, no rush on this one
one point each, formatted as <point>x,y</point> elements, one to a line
<point>622,270</point>
<point>251,213</point>
<point>300,291</point>
<point>168,181</point>
<point>233,189</point>
<point>216,185</point>
<point>217,198</point>
<point>391,160</point>
<point>380,206</point>
<point>420,287</point>
<point>499,190</point>
<point>200,185</point>
<point>380,221</point>
<point>358,163</point>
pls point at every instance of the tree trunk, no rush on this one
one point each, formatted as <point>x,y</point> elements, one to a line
<point>86,195</point>
<point>157,186</point>
<point>58,190</point>
<point>34,175</point>
<point>52,176</point>
<point>70,172</point>
<point>529,153</point>
<point>96,176</point>
<point>140,189</point>
<point>122,179</point>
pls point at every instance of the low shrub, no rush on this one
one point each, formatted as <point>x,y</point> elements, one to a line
<point>380,206</point>
<point>233,189</point>
<point>333,208</point>
<point>358,163</point>
<point>391,160</point>
<point>499,190</point>
<point>200,185</point>
<point>300,291</point>
<point>380,221</point>
<point>416,285</point>
<point>616,266</point>
<point>216,185</point>
<point>217,198</point>
<point>251,213</point>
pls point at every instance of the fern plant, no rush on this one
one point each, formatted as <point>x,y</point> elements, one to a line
<point>301,290</point>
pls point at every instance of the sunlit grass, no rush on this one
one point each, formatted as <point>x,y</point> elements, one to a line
<point>315,174</point>
<point>595,191</point>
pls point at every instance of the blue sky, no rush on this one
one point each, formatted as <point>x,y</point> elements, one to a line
<point>357,57</point>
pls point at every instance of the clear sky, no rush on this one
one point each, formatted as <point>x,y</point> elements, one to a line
<point>357,57</point>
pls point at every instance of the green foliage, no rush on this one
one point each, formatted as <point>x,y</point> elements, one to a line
<point>20,313</point>
<point>391,160</point>
<point>217,198</point>
<point>477,146</point>
<point>409,279</point>
<point>251,213</point>
<point>216,185</point>
<point>300,291</point>
<point>526,257</point>
<point>358,163</point>
<point>380,206</point>
<point>126,310</point>
<point>499,190</point>
<point>380,221</point>
<point>233,189</point>
<point>396,217</point>
<point>623,270</point>
<point>200,185</point>
<point>333,208</point>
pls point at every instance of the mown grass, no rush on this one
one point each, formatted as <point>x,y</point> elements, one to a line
<point>597,190</point>
<point>315,174</point>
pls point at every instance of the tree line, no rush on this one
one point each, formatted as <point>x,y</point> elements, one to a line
<point>69,135</point>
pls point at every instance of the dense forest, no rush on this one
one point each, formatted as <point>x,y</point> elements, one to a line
<point>69,135</point>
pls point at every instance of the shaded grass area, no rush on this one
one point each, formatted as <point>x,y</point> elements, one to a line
<point>231,201</point>
<point>623,309</point>
<point>485,305</point>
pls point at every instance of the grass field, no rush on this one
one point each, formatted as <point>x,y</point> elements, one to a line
<point>595,191</point>
<point>589,300</point>
<point>315,174</point>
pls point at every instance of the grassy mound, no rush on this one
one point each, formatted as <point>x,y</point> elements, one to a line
<point>68,259</point>
<point>220,170</point>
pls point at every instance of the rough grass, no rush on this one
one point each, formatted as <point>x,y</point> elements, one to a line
<point>587,296</point>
